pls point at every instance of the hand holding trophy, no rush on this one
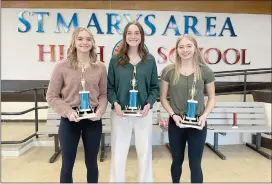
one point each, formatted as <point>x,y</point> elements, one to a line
<point>190,118</point>
<point>132,109</point>
<point>85,110</point>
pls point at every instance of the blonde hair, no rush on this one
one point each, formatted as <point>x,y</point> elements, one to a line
<point>197,59</point>
<point>72,52</point>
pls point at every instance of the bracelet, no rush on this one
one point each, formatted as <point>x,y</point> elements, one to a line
<point>173,115</point>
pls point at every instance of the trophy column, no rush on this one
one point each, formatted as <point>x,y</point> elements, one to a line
<point>132,109</point>
<point>190,117</point>
<point>85,109</point>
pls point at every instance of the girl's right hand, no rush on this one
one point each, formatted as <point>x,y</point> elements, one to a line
<point>118,109</point>
<point>73,117</point>
<point>178,120</point>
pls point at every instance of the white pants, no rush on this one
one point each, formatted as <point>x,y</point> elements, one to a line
<point>121,131</point>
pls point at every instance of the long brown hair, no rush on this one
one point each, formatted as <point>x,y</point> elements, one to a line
<point>72,52</point>
<point>197,59</point>
<point>123,58</point>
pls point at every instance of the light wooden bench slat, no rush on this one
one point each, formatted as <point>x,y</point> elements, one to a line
<point>53,116</point>
<point>239,122</point>
<point>245,116</point>
<point>239,104</point>
<point>241,129</point>
<point>238,110</point>
<point>53,122</point>
<point>106,129</point>
<point>49,130</point>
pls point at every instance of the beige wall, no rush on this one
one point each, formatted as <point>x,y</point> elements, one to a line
<point>251,7</point>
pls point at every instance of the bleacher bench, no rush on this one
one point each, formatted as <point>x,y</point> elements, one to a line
<point>251,118</point>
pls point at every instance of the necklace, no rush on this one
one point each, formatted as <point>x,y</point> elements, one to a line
<point>193,90</point>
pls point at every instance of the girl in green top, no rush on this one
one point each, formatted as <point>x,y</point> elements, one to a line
<point>132,54</point>
<point>178,79</point>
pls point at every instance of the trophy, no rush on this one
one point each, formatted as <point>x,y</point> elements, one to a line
<point>190,118</point>
<point>132,109</point>
<point>85,109</point>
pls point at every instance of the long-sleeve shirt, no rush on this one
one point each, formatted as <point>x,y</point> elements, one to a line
<point>119,82</point>
<point>65,85</point>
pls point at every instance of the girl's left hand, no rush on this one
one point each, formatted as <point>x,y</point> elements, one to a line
<point>145,110</point>
<point>98,115</point>
<point>202,120</point>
